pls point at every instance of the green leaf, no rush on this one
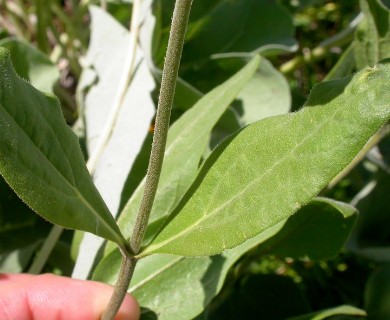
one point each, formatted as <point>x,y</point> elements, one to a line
<point>31,64</point>
<point>19,226</point>
<point>16,261</point>
<point>271,168</point>
<point>371,237</point>
<point>213,33</point>
<point>187,139</point>
<point>330,313</point>
<point>210,31</point>
<point>344,66</point>
<point>266,94</point>
<point>228,124</point>
<point>191,283</point>
<point>318,231</point>
<point>377,294</point>
<point>41,160</point>
<point>372,37</point>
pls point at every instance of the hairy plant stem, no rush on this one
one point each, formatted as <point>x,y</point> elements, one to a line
<point>167,91</point>
<point>125,275</point>
<point>168,85</point>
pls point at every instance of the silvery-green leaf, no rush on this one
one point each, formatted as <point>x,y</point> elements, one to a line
<point>270,169</point>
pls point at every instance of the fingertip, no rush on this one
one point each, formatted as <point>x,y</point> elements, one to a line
<point>53,297</point>
<point>129,310</point>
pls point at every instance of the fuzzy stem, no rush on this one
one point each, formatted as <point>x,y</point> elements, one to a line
<point>125,275</point>
<point>167,91</point>
<point>168,85</point>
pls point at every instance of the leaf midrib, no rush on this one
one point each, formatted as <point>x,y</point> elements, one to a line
<point>155,274</point>
<point>155,247</point>
<point>72,187</point>
<point>181,137</point>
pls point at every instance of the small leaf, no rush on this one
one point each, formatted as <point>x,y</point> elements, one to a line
<point>31,64</point>
<point>344,66</point>
<point>271,168</point>
<point>318,231</point>
<point>372,37</point>
<point>40,158</point>
<point>16,261</point>
<point>266,94</point>
<point>371,236</point>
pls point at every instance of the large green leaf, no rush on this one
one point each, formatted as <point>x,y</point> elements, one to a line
<point>270,169</point>
<point>41,160</point>
<point>180,288</point>
<point>372,37</point>
<point>213,33</point>
<point>187,139</point>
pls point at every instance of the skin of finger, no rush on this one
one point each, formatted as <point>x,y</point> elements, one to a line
<point>28,297</point>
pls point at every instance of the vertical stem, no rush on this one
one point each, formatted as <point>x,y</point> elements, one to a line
<point>43,20</point>
<point>125,275</point>
<point>168,84</point>
<point>103,4</point>
<point>167,91</point>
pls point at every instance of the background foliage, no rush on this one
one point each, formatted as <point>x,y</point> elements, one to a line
<point>327,261</point>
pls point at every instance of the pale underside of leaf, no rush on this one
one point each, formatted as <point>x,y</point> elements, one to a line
<point>271,168</point>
